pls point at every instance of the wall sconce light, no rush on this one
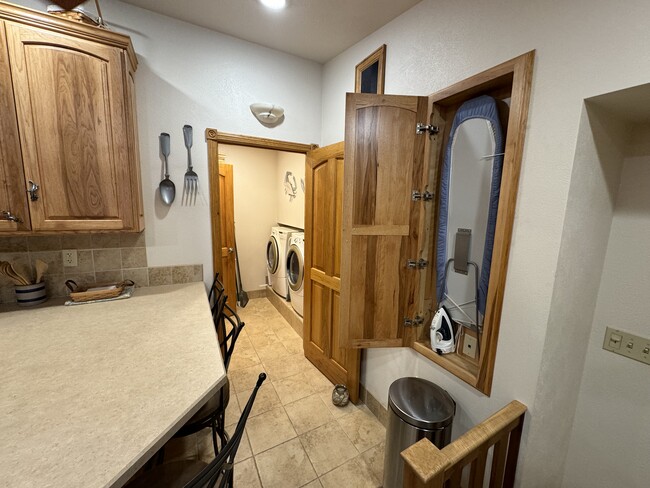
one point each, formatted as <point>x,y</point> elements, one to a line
<point>268,114</point>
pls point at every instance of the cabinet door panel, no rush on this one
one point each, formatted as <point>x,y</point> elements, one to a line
<point>382,225</point>
<point>13,198</point>
<point>70,101</point>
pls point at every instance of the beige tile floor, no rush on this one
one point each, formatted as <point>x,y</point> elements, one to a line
<point>295,436</point>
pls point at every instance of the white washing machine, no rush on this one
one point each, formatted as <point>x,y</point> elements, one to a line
<point>276,254</point>
<point>296,271</point>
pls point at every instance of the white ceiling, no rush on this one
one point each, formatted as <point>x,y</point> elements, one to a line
<point>312,29</point>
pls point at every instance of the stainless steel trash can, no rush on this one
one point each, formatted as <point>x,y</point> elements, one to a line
<point>417,408</point>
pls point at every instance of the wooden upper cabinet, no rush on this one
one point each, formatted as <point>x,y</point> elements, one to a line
<point>382,224</point>
<point>13,203</point>
<point>70,103</point>
<point>75,109</point>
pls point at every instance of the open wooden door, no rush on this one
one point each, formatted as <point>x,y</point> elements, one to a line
<point>323,212</point>
<point>227,204</point>
<point>383,249</point>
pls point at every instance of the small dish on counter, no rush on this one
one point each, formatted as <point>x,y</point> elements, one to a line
<point>105,292</point>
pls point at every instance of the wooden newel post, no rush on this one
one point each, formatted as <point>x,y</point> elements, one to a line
<point>424,465</point>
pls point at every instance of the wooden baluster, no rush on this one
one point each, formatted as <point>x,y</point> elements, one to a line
<point>456,478</point>
<point>499,462</point>
<point>477,472</point>
<point>513,454</point>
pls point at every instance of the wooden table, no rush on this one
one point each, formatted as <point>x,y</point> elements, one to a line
<point>88,393</point>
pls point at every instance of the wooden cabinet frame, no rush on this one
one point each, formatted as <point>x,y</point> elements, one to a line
<point>70,198</point>
<point>416,288</point>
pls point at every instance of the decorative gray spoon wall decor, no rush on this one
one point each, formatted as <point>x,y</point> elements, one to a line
<point>167,187</point>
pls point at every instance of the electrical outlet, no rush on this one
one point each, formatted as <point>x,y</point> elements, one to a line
<point>70,258</point>
<point>469,346</point>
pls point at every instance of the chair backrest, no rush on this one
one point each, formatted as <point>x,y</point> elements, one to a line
<point>214,295</point>
<point>229,326</point>
<point>220,471</point>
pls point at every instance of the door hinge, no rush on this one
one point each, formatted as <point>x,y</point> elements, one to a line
<point>414,322</point>
<point>419,264</point>
<point>421,128</point>
<point>416,196</point>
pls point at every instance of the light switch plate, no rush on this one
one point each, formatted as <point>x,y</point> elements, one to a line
<point>627,344</point>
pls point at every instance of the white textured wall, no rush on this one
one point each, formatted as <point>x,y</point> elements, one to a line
<point>594,182</point>
<point>610,445</point>
<point>291,212</point>
<point>584,48</point>
<point>255,195</point>
<point>438,43</point>
<point>191,75</point>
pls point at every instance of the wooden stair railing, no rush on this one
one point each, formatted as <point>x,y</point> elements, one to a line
<point>426,466</point>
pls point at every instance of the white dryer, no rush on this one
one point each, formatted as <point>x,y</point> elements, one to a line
<point>296,271</point>
<point>276,254</point>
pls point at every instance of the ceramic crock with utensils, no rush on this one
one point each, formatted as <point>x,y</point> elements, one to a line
<point>28,292</point>
<point>28,295</point>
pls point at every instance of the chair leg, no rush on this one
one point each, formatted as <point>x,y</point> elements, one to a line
<point>221,428</point>
<point>213,427</point>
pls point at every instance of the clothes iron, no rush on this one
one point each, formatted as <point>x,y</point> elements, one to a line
<point>443,335</point>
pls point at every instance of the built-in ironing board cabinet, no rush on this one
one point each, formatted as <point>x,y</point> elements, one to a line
<point>395,147</point>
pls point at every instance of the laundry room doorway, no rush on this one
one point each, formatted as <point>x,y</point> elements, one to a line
<point>256,188</point>
<point>257,224</point>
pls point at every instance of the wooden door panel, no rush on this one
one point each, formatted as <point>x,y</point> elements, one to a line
<point>318,314</point>
<point>382,166</point>
<point>77,86</point>
<point>323,220</point>
<point>70,99</point>
<point>13,198</point>
<point>227,224</point>
<point>381,224</point>
<point>339,355</point>
<point>376,281</point>
<point>324,207</point>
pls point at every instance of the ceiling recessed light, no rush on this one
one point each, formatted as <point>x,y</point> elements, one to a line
<point>274,4</point>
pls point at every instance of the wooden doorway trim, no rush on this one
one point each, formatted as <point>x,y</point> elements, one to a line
<point>214,138</point>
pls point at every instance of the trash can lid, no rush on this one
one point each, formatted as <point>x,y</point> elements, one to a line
<point>421,403</point>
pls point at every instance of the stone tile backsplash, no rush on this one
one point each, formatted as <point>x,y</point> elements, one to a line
<point>101,258</point>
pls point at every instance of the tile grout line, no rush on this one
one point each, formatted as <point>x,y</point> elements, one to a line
<point>318,392</point>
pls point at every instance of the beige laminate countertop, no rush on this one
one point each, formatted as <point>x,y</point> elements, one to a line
<point>88,393</point>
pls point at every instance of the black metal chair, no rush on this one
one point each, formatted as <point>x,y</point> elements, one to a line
<point>212,414</point>
<point>196,474</point>
<point>215,293</point>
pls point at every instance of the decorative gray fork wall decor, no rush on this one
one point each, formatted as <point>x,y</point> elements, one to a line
<point>191,180</point>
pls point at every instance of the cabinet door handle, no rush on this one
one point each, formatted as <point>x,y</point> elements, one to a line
<point>6,215</point>
<point>33,191</point>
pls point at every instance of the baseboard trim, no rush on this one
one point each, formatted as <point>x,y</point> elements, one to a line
<point>256,294</point>
<point>286,310</point>
<point>377,409</point>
